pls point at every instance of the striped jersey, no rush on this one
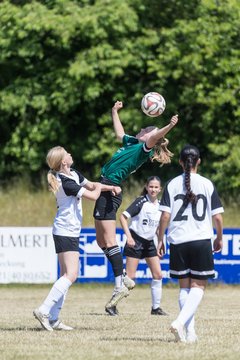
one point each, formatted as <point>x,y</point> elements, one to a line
<point>145,216</point>
<point>126,160</point>
<point>68,220</point>
<point>193,221</point>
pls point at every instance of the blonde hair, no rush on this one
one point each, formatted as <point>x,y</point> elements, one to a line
<point>54,160</point>
<point>161,152</point>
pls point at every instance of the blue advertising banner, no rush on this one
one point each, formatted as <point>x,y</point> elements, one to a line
<point>94,265</point>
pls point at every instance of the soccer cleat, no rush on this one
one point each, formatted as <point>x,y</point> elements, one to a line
<point>191,337</point>
<point>129,283</point>
<point>43,319</point>
<point>118,294</point>
<point>177,330</point>
<point>112,311</point>
<point>158,311</point>
<point>59,325</point>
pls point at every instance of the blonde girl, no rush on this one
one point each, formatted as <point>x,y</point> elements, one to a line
<point>68,186</point>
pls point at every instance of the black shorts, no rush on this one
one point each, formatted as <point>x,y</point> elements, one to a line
<point>142,249</point>
<point>65,243</point>
<point>107,204</point>
<point>192,259</point>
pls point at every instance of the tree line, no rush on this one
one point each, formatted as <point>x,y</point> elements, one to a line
<point>65,62</point>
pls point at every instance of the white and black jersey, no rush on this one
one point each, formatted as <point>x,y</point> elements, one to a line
<point>145,216</point>
<point>68,219</point>
<point>193,221</point>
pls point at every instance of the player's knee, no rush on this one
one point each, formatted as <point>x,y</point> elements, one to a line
<point>157,276</point>
<point>72,276</point>
<point>131,274</point>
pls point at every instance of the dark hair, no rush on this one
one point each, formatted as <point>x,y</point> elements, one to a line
<point>150,178</point>
<point>189,156</point>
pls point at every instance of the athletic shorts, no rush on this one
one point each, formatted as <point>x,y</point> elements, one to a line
<point>107,204</point>
<point>192,259</point>
<point>142,249</point>
<point>65,243</point>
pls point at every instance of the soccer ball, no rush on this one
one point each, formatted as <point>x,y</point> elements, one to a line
<point>153,104</point>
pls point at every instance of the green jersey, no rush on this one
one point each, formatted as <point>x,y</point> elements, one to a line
<point>126,160</point>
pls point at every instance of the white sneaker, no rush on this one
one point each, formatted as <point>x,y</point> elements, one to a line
<point>129,283</point>
<point>118,294</point>
<point>43,319</point>
<point>59,325</point>
<point>191,337</point>
<point>177,329</point>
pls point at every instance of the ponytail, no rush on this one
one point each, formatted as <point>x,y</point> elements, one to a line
<point>53,184</point>
<point>190,197</point>
<point>189,157</point>
<point>54,161</point>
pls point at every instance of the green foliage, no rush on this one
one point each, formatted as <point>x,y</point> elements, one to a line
<point>227,170</point>
<point>63,64</point>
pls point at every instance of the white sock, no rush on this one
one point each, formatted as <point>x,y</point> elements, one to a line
<point>183,294</point>
<point>156,292</point>
<point>118,281</point>
<point>54,312</point>
<point>191,304</point>
<point>58,290</point>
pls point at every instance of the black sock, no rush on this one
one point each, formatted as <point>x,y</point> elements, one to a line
<point>105,250</point>
<point>116,259</point>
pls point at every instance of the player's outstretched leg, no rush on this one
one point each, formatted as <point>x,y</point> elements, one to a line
<point>118,295</point>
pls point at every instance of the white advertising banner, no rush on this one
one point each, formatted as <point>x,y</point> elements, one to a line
<point>27,255</point>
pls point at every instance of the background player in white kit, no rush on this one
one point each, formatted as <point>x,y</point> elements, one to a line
<point>189,204</point>
<point>68,186</point>
<point>144,214</point>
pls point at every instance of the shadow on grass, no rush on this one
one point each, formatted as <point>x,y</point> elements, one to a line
<point>21,329</point>
<point>140,338</point>
<point>92,314</point>
<point>35,329</point>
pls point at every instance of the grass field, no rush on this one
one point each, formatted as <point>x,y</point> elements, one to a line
<point>134,334</point>
<point>21,207</point>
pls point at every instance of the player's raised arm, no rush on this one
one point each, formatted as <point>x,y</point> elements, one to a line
<point>160,133</point>
<point>118,128</point>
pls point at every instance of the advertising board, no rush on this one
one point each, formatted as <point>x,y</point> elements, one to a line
<point>27,255</point>
<point>95,267</point>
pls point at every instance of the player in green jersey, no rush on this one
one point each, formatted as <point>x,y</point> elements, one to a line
<point>149,143</point>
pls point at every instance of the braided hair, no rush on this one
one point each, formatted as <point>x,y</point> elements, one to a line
<point>189,156</point>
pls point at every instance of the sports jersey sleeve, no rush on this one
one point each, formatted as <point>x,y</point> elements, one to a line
<point>82,180</point>
<point>130,140</point>
<point>135,208</point>
<point>146,149</point>
<point>71,188</point>
<point>216,204</point>
<point>127,140</point>
<point>81,191</point>
<point>165,204</point>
